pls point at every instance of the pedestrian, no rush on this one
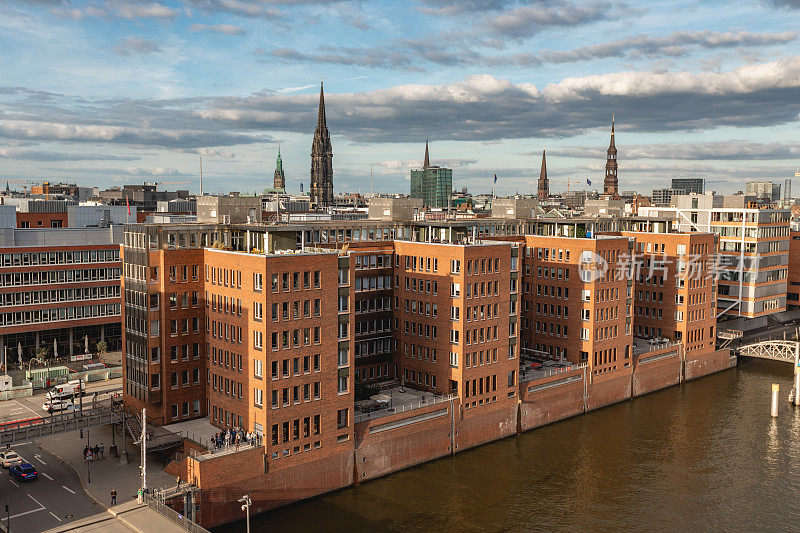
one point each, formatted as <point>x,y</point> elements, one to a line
<point>113,497</point>
<point>95,451</point>
<point>85,451</point>
<point>102,451</point>
<point>177,483</point>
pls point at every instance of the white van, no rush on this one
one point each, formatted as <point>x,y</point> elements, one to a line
<point>67,390</point>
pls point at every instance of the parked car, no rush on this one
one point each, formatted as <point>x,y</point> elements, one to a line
<point>9,458</point>
<point>23,472</point>
<point>58,405</point>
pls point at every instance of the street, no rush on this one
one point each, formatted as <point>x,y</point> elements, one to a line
<point>31,406</point>
<point>52,500</point>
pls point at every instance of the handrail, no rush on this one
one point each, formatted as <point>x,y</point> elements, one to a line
<point>171,514</point>
<point>379,413</point>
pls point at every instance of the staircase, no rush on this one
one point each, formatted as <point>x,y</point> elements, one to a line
<point>158,438</point>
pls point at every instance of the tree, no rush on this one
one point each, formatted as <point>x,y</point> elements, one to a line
<point>42,352</point>
<point>102,347</point>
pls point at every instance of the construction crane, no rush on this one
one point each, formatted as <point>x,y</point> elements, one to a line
<point>567,182</point>
<point>25,187</point>
<point>157,183</point>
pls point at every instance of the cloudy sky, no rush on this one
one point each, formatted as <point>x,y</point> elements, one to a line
<point>123,91</point>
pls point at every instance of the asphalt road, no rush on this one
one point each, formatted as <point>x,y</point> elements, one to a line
<point>31,406</point>
<point>54,499</point>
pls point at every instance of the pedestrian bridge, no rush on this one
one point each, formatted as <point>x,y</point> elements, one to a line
<point>778,350</point>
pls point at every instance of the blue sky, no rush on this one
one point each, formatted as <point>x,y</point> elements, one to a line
<point>124,91</point>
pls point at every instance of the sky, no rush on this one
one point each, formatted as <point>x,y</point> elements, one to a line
<point>105,93</point>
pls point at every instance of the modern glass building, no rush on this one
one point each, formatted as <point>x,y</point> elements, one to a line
<point>433,184</point>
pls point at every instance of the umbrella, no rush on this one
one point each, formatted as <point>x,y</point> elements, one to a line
<point>19,353</point>
<point>55,348</point>
<point>86,343</point>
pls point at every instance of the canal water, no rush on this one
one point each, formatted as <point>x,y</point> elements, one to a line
<point>704,455</point>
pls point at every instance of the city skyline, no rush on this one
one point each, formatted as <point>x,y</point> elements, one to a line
<point>124,91</point>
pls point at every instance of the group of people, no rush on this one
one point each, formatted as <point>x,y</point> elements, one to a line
<point>95,452</point>
<point>234,437</point>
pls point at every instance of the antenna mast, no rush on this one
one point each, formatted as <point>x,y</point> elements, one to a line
<point>201,175</point>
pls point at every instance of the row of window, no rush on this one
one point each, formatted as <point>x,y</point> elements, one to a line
<point>424,353</point>
<point>379,325</point>
<point>226,386</point>
<point>288,281</point>
<point>282,368</point>
<point>418,285</point>
<point>290,430</point>
<point>184,411</point>
<point>373,347</point>
<point>184,270</point>
<point>59,295</point>
<point>483,385</point>
<point>420,330</point>
<point>290,310</point>
<point>548,328</point>
<point>222,304</point>
<point>224,277</point>
<point>373,261</point>
<point>369,305</point>
<point>373,283</point>
<point>223,331</point>
<point>547,254</point>
<point>226,359</point>
<point>59,258</point>
<point>51,277</point>
<point>57,314</point>
<point>282,396</point>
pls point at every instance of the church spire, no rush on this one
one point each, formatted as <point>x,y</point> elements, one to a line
<point>279,180</point>
<point>321,158</point>
<point>611,183</point>
<point>544,183</point>
<point>427,161</point>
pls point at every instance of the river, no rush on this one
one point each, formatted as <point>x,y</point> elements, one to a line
<point>704,455</point>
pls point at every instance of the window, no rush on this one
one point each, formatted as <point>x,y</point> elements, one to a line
<point>258,368</point>
<point>258,397</point>
<point>341,418</point>
<point>257,281</point>
<point>343,357</point>
<point>455,290</point>
<point>342,384</point>
<point>258,311</point>
<point>258,339</point>
<point>454,359</point>
<point>455,266</point>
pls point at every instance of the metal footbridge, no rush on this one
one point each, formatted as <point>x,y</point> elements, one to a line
<point>22,430</point>
<point>777,350</point>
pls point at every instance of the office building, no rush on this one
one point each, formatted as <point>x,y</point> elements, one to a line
<point>59,288</point>
<point>432,183</point>
<point>688,185</point>
<point>764,189</point>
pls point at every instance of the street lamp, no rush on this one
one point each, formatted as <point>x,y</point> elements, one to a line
<point>246,502</point>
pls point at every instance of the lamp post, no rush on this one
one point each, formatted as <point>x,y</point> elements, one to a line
<point>246,502</point>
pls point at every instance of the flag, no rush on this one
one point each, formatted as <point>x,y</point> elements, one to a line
<point>129,205</point>
<point>301,186</point>
<point>495,177</point>
<point>588,182</point>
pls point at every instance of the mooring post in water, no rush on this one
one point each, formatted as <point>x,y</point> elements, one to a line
<point>796,385</point>
<point>775,389</point>
<point>797,373</point>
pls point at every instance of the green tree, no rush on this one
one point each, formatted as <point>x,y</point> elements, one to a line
<point>102,347</point>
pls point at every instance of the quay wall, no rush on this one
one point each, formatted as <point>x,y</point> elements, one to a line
<point>384,445</point>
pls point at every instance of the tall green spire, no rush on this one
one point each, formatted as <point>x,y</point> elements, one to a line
<point>279,181</point>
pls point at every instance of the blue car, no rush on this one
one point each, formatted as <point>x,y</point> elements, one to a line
<point>23,472</point>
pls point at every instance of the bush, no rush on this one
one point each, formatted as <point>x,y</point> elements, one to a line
<point>43,352</point>
<point>102,347</point>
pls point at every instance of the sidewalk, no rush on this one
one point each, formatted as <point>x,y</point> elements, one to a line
<point>108,474</point>
<point>122,518</point>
